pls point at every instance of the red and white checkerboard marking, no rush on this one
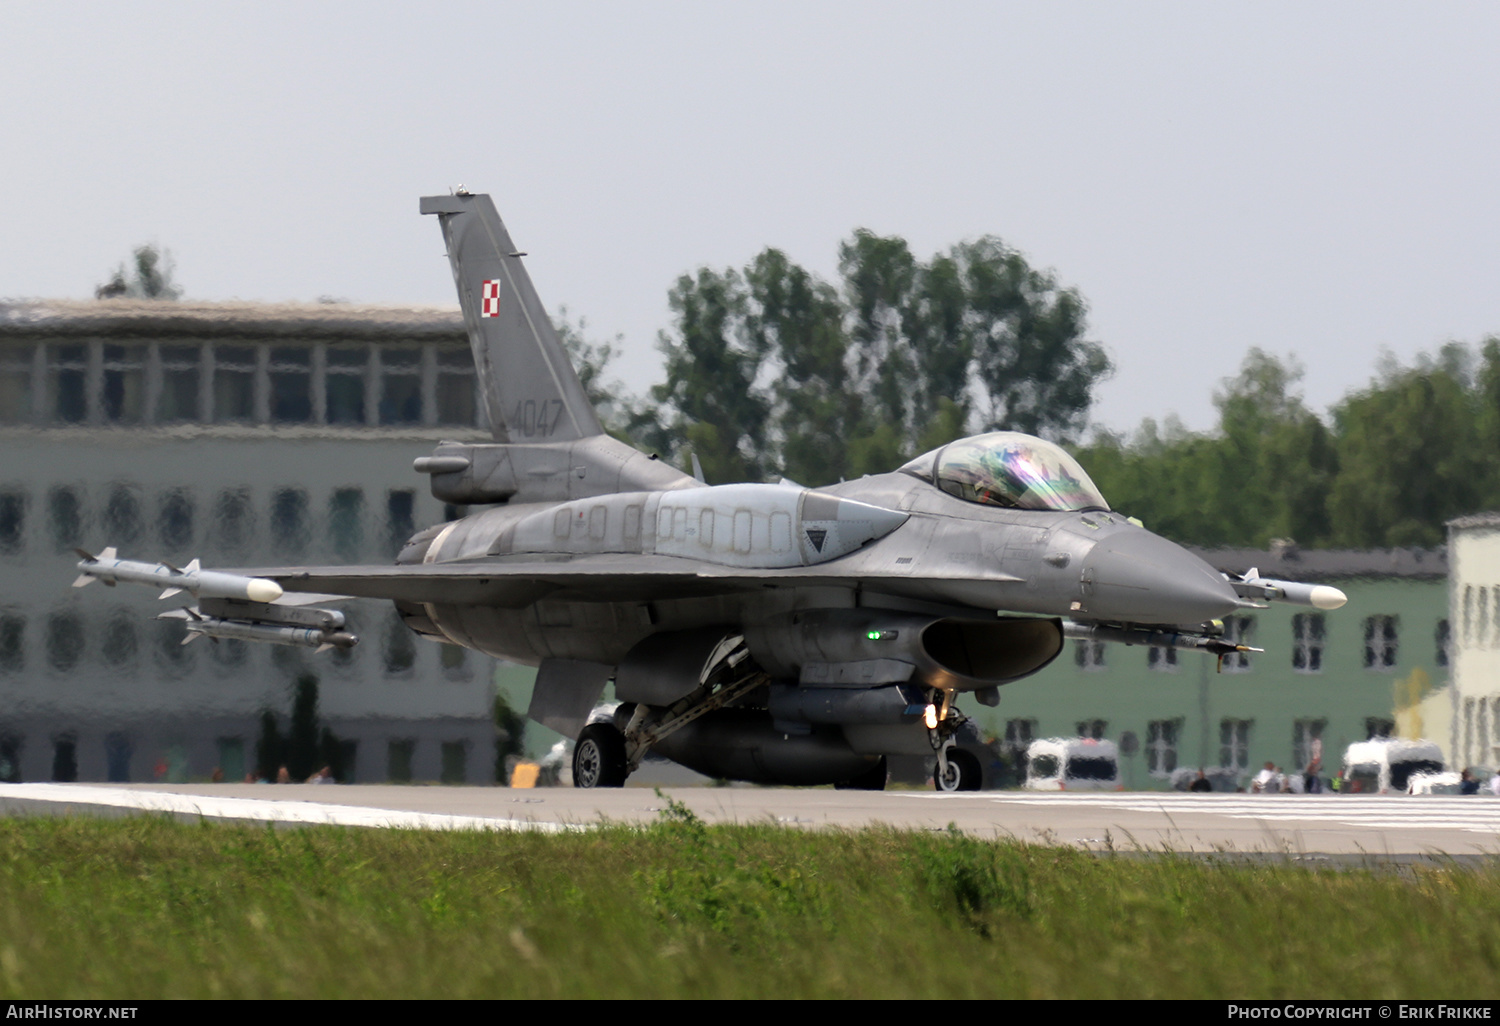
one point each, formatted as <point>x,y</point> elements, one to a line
<point>490,304</point>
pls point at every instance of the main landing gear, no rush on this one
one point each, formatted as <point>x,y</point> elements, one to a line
<point>605,754</point>
<point>599,757</point>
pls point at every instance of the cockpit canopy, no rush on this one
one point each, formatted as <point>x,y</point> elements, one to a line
<point>1009,469</point>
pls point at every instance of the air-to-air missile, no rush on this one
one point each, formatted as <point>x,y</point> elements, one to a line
<point>173,580</point>
<point>307,626</point>
<point>229,605</point>
<point>1254,586</point>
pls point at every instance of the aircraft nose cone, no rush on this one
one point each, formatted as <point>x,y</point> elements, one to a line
<point>1142,578</point>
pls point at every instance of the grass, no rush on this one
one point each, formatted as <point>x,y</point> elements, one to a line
<point>146,907</point>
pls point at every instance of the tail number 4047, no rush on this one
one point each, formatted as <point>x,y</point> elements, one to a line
<point>535,417</point>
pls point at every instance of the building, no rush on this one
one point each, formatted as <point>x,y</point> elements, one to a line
<point>1471,707</point>
<point>1325,679</point>
<point>244,435</point>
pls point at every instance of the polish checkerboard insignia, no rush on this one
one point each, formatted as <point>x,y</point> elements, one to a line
<point>490,298</point>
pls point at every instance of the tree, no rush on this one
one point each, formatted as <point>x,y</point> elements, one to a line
<point>623,415</point>
<point>1410,454</point>
<point>151,277</point>
<point>772,368</point>
<point>714,408</point>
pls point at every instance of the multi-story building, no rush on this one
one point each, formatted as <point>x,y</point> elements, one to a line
<point>245,435</point>
<point>1324,680</point>
<point>1472,706</point>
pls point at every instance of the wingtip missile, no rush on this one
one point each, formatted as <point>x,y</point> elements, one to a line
<point>173,580</point>
<point>1319,596</point>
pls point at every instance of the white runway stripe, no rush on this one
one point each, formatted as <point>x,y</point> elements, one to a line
<point>1480,814</point>
<point>264,809</point>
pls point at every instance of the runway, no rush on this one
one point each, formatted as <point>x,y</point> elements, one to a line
<point>1288,825</point>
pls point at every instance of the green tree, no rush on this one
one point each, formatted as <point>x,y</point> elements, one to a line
<point>150,277</point>
<point>799,319</point>
<point>1410,454</point>
<point>713,407</point>
<point>1037,370</point>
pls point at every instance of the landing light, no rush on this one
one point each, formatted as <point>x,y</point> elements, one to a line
<point>929,716</point>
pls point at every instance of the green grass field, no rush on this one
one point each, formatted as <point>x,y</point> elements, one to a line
<point>144,907</point>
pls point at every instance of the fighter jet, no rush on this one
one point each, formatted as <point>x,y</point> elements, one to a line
<point>760,632</point>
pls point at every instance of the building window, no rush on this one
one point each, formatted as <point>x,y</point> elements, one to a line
<point>1162,737</point>
<point>12,521</point>
<point>454,393</point>
<point>12,643</point>
<point>455,661</point>
<point>346,512</point>
<point>1377,727</point>
<point>234,384</point>
<point>400,511</point>
<point>344,374</point>
<point>455,762</point>
<point>174,523</point>
<point>1161,659</point>
<point>1238,630</point>
<point>1234,744</point>
<point>10,759</point>
<point>117,752</point>
<point>1307,743</point>
<point>122,516</point>
<point>67,371</point>
<point>229,651</point>
<point>118,645</point>
<point>399,754</point>
<point>1018,736</point>
<point>178,399</point>
<point>1442,639</point>
<point>400,386</point>
<point>65,758</point>
<point>289,521</point>
<point>172,652</point>
<point>400,652</point>
<point>289,374</point>
<point>1380,642</point>
<point>232,523</point>
<point>65,515</point>
<point>1089,655</point>
<point>1308,632</point>
<point>64,640</point>
<point>123,392</point>
<point>1092,728</point>
<point>15,385</point>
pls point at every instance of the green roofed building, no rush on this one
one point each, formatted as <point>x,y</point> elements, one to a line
<point>1325,679</point>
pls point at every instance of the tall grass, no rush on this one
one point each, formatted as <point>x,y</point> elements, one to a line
<point>145,907</point>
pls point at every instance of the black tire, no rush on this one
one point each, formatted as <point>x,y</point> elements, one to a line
<point>599,757</point>
<point>873,779</point>
<point>964,772</point>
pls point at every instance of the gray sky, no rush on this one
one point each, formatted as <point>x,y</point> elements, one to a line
<point>1317,179</point>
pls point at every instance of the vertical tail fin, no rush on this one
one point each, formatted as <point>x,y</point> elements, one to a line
<point>529,387</point>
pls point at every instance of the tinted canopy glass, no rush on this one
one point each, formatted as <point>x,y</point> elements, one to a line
<point>1006,468</point>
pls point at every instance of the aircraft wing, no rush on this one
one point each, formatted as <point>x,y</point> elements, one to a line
<point>513,583</point>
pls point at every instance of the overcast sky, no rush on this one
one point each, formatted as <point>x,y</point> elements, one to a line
<point>1316,179</point>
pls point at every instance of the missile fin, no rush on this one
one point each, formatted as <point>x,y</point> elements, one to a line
<point>169,593</point>
<point>108,553</point>
<point>82,579</point>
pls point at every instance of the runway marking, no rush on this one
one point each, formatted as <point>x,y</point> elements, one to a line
<point>1448,812</point>
<point>283,811</point>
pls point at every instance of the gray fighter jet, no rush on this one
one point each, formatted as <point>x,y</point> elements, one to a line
<point>761,632</point>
